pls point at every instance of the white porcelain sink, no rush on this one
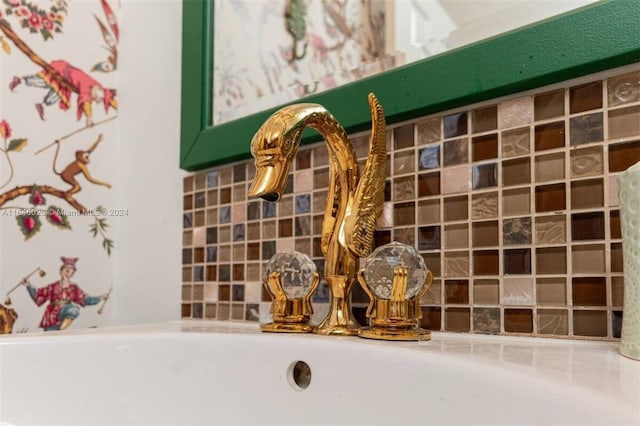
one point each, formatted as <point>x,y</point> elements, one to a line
<point>189,373</point>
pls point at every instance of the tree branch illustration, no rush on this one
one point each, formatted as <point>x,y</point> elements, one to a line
<point>20,191</point>
<point>35,58</point>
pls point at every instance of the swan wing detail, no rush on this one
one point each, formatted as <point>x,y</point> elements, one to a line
<point>369,197</point>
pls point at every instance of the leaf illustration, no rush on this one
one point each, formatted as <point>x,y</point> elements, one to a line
<point>58,219</point>
<point>5,46</point>
<point>36,198</point>
<point>17,145</point>
<point>296,26</point>
<point>29,225</point>
<point>108,245</point>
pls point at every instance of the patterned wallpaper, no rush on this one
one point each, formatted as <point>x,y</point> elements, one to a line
<point>58,128</point>
<point>512,204</point>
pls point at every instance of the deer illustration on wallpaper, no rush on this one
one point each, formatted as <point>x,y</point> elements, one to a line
<point>59,81</point>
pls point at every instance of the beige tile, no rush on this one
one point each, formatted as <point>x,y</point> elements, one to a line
<point>404,188</point>
<point>624,122</point>
<point>516,142</point>
<point>251,171</point>
<point>211,292</point>
<point>385,220</point>
<point>303,181</point>
<point>617,291</point>
<point>433,296</point>
<point>319,201</point>
<point>429,131</point>
<point>486,320</point>
<point>516,112</point>
<point>550,229</point>
<point>187,238</point>
<point>187,183</point>
<point>456,264</point>
<point>201,179</point>
<point>516,201</point>
<point>303,245</point>
<point>186,274</point>
<point>484,205</point>
<point>518,291</point>
<point>226,174</point>
<point>486,291</point>
<point>269,229</point>
<point>551,291</point>
<point>224,253</point>
<point>186,293</point>
<point>199,236</point>
<point>428,212</point>
<point>404,162</point>
<point>360,146</point>
<point>224,234</point>
<point>285,244</point>
<point>254,272</point>
<point>237,311</point>
<point>553,321</point>
<point>456,179</point>
<point>588,259</point>
<point>587,161</point>
<point>238,212</point>
<point>253,292</point>
<point>285,207</point>
<point>212,217</point>
<point>613,191</point>
<point>456,236</point>
<point>623,89</point>
<point>199,218</point>
<point>549,167</point>
<point>405,235</point>
<point>240,192</point>
<point>238,252</point>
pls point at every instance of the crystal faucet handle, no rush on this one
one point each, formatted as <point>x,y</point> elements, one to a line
<point>291,278</point>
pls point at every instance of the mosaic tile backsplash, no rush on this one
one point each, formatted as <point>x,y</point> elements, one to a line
<point>513,206</point>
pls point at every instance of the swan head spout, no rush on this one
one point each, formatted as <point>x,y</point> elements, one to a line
<point>274,147</point>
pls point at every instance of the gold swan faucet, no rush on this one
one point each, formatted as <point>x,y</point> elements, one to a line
<point>354,201</point>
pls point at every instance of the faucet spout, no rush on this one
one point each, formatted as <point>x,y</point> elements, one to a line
<point>269,182</point>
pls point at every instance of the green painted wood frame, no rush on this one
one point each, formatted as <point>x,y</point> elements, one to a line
<point>594,38</point>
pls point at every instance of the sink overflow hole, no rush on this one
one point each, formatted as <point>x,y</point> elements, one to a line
<point>299,375</point>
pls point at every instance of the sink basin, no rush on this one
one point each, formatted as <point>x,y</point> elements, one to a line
<point>221,373</point>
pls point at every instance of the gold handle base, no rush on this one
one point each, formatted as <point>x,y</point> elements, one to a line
<point>338,330</point>
<point>393,333</point>
<point>283,327</point>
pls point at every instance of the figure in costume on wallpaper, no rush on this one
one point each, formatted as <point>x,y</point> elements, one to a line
<point>65,298</point>
<point>87,89</point>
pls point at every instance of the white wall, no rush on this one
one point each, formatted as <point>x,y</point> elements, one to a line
<point>148,257</point>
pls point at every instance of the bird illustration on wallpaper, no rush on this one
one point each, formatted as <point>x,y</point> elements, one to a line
<point>111,36</point>
<point>60,80</point>
<point>63,297</point>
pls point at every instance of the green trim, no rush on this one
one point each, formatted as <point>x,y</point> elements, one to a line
<point>592,39</point>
